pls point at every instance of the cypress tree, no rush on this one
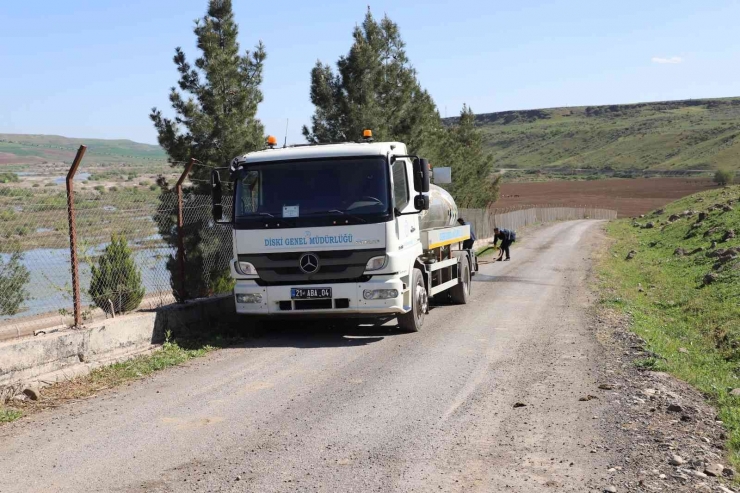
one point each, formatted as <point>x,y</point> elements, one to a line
<point>116,279</point>
<point>215,108</point>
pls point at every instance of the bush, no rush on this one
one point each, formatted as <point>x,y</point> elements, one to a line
<point>8,178</point>
<point>14,277</point>
<point>723,177</point>
<point>116,279</point>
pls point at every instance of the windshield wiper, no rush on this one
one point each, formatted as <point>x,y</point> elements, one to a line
<point>337,211</point>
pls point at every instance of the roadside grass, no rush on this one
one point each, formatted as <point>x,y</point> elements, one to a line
<point>692,328</point>
<point>172,353</point>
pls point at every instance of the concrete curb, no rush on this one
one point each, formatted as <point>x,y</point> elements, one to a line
<point>49,358</point>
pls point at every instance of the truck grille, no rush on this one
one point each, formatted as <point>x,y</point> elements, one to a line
<point>277,269</point>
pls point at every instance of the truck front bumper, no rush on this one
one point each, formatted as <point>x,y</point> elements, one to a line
<point>347,298</point>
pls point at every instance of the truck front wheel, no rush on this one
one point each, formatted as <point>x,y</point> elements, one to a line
<point>414,319</point>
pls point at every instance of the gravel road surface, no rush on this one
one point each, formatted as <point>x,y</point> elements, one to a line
<point>360,407</point>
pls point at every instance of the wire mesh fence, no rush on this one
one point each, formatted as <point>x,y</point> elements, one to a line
<point>139,246</point>
<point>483,221</point>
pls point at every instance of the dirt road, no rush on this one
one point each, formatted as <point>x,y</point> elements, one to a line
<point>360,408</point>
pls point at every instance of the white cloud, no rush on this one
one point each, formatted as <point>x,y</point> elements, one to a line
<point>673,59</point>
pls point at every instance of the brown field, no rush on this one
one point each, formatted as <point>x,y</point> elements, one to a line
<point>630,197</point>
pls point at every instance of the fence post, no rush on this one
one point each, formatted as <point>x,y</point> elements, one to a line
<point>180,229</point>
<point>73,235</point>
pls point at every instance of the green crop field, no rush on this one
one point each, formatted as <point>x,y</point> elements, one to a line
<point>696,134</point>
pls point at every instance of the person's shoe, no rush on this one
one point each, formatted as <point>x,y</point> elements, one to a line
<point>500,260</point>
<point>506,260</point>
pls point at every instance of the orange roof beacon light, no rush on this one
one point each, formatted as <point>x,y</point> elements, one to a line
<point>271,141</point>
<point>367,134</point>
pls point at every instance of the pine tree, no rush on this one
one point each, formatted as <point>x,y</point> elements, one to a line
<point>461,147</point>
<point>215,121</point>
<point>375,87</point>
<point>116,279</point>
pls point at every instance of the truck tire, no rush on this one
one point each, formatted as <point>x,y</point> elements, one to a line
<point>461,291</point>
<point>414,319</point>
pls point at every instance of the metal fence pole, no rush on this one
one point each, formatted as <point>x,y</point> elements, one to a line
<point>73,235</point>
<point>180,229</point>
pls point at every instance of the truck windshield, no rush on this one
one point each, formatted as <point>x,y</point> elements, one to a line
<point>314,192</point>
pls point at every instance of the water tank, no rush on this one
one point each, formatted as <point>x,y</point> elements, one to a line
<point>442,210</point>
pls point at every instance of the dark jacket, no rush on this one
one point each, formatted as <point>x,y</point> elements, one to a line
<point>504,235</point>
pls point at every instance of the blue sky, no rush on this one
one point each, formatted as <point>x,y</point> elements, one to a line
<point>94,68</point>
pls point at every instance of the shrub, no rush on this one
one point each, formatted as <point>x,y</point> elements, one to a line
<point>14,277</point>
<point>8,177</point>
<point>116,279</point>
<point>723,177</point>
<point>113,189</point>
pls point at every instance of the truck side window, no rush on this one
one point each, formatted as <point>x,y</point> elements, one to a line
<point>400,185</point>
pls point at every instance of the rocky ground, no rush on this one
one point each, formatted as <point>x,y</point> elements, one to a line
<point>667,435</point>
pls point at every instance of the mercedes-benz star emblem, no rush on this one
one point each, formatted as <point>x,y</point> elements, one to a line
<point>309,263</point>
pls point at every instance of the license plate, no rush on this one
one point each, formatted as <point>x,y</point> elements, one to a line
<point>310,293</point>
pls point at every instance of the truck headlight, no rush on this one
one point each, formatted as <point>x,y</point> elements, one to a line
<point>379,294</point>
<point>245,268</point>
<point>376,263</point>
<point>249,298</point>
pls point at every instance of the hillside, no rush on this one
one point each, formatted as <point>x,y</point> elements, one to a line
<point>21,149</point>
<point>675,275</point>
<point>672,135</point>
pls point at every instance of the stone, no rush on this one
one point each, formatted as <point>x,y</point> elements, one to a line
<point>709,278</point>
<point>727,208</point>
<point>676,460</point>
<point>696,250</point>
<point>631,255</point>
<point>711,231</point>
<point>32,392</point>
<point>729,234</point>
<point>674,217</point>
<point>659,212</point>
<point>610,489</point>
<point>606,386</point>
<point>702,216</point>
<point>714,470</point>
<point>674,408</point>
<point>728,472</point>
<point>713,245</point>
<point>679,252</point>
<point>649,225</point>
<point>519,404</point>
<point>735,392</point>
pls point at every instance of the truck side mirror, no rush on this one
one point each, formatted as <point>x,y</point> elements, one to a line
<point>421,202</point>
<point>421,175</point>
<point>216,196</point>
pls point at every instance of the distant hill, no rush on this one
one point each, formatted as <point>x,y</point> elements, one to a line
<point>670,135</point>
<point>19,149</point>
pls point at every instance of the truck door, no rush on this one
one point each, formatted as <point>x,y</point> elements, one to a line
<point>407,227</point>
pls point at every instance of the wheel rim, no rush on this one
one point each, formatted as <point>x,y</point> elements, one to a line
<point>422,301</point>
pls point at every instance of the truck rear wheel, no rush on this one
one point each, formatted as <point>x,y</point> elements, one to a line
<point>461,291</point>
<point>414,319</point>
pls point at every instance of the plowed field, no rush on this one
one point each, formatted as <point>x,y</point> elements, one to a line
<point>630,197</point>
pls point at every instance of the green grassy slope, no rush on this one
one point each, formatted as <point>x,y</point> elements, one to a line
<point>673,135</point>
<point>32,149</point>
<point>685,303</point>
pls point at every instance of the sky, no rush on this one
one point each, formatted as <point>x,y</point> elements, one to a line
<point>95,68</point>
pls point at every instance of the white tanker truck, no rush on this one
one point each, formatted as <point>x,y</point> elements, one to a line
<point>351,229</point>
